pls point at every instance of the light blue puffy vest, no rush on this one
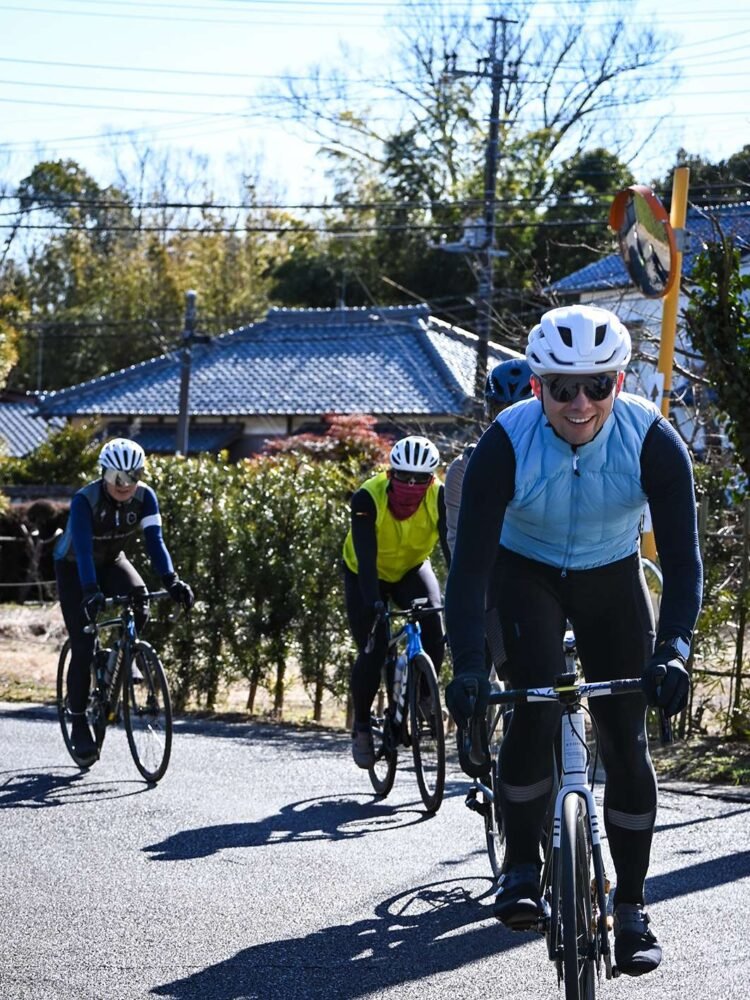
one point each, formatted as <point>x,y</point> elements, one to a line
<point>577,509</point>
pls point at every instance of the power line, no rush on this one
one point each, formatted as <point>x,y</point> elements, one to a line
<point>315,78</point>
<point>598,199</point>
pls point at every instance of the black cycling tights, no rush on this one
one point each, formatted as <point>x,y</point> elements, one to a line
<point>418,582</point>
<point>119,577</point>
<point>610,611</point>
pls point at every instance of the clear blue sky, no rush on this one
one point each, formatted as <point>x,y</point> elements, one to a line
<point>191,75</point>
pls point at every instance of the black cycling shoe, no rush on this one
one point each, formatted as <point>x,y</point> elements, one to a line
<point>363,747</point>
<point>83,742</point>
<point>636,949</point>
<point>517,901</point>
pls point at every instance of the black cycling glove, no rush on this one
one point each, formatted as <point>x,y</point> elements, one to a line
<point>467,697</point>
<point>666,682</point>
<point>92,603</point>
<point>179,590</point>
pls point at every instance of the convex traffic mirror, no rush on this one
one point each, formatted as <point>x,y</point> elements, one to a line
<point>646,239</point>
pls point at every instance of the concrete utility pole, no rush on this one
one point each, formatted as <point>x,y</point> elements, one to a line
<point>494,70</point>
<point>189,337</point>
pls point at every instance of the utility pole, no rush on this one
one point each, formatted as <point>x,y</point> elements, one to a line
<point>494,70</point>
<point>189,337</point>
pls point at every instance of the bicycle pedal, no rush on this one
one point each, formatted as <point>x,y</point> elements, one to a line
<point>471,802</point>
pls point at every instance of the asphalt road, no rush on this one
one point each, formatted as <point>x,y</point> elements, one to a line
<point>262,867</point>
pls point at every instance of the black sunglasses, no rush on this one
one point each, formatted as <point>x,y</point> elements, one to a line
<point>411,477</point>
<point>565,388</point>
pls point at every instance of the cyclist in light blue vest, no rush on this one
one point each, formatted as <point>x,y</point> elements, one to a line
<point>549,528</point>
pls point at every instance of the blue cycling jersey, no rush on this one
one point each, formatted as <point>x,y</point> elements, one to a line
<point>99,529</point>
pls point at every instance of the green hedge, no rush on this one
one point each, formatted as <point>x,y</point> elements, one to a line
<point>260,543</point>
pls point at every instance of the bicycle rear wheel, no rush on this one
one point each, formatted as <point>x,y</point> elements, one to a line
<point>383,771</point>
<point>148,713</point>
<point>427,731</point>
<point>578,930</point>
<point>94,712</point>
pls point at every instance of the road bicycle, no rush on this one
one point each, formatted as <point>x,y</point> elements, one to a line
<point>408,712</point>
<point>574,886</point>
<point>481,797</point>
<point>128,684</point>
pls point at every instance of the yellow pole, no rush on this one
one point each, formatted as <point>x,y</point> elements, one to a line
<point>677,217</point>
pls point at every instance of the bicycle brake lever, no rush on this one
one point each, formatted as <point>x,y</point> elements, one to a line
<point>665,728</point>
<point>665,723</point>
<point>467,740</point>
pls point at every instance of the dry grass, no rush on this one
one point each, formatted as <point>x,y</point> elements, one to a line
<point>31,637</point>
<point>709,759</point>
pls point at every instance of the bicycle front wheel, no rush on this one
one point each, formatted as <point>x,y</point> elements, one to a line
<point>148,712</point>
<point>383,771</point>
<point>578,930</point>
<point>427,731</point>
<point>494,830</point>
<point>94,712</point>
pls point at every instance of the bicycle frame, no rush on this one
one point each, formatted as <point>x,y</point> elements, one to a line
<point>413,632</point>
<point>110,691</point>
<point>413,716</point>
<point>573,780</point>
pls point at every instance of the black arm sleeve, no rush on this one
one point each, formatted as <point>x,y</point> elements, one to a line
<point>667,478</point>
<point>365,542</point>
<point>443,528</point>
<point>488,485</point>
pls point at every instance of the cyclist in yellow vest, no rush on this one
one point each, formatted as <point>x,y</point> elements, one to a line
<point>398,516</point>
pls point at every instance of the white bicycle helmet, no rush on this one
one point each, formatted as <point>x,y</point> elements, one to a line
<point>584,340</point>
<point>123,455</point>
<point>414,454</point>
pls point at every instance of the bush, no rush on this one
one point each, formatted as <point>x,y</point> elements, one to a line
<point>260,542</point>
<point>69,457</point>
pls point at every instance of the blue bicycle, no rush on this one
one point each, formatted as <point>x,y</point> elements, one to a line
<point>408,711</point>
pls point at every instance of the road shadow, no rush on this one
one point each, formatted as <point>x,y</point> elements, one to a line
<point>426,931</point>
<point>660,827</point>
<point>62,786</point>
<point>698,877</point>
<point>329,817</point>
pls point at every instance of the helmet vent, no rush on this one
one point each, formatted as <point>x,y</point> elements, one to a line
<point>566,335</point>
<point>601,333</point>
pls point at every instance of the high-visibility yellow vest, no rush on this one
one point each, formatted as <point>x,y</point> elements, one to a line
<point>402,545</point>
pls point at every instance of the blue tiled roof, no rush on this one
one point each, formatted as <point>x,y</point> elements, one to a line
<point>389,361</point>
<point>610,272</point>
<point>22,428</point>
